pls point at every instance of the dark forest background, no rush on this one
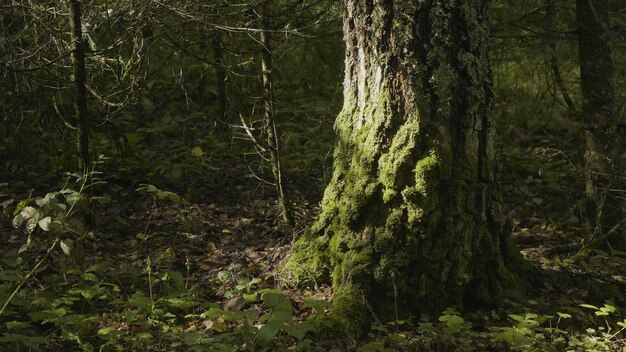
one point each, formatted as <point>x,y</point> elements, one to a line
<point>152,210</point>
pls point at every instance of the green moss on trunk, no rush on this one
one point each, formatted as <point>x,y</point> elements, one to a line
<point>411,221</point>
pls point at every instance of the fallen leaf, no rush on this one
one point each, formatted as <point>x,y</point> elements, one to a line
<point>207,324</point>
<point>235,303</point>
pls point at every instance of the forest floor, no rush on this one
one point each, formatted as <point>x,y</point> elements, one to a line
<point>237,231</point>
<point>228,244</point>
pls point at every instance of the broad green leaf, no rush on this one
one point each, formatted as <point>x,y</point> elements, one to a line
<point>55,227</point>
<point>267,332</point>
<point>280,305</point>
<point>584,305</point>
<point>213,313</point>
<point>608,308</point>
<point>92,319</point>
<point>95,268</point>
<point>45,223</point>
<point>86,293</point>
<point>12,325</point>
<point>454,322</point>
<point>141,302</point>
<point>89,277</point>
<point>106,331</point>
<point>182,303</point>
<point>251,297</point>
<point>223,275</point>
<point>317,304</point>
<point>298,330</point>
<point>276,300</point>
<point>522,341</point>
<point>144,335</point>
<point>45,201</point>
<point>169,196</point>
<point>48,315</point>
<point>147,188</point>
<point>66,246</point>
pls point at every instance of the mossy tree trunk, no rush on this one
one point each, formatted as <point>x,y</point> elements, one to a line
<point>411,221</point>
<point>603,209</point>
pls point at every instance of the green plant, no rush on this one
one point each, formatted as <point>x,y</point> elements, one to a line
<point>520,335</point>
<point>155,195</point>
<point>279,319</point>
<point>56,214</point>
<point>529,332</point>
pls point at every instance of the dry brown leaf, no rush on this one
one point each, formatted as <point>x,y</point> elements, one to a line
<point>207,324</point>
<point>192,328</point>
<point>235,303</point>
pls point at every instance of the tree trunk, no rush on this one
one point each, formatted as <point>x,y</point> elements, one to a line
<point>411,221</point>
<point>80,89</point>
<point>220,77</point>
<point>603,208</point>
<point>270,124</point>
<point>551,15</point>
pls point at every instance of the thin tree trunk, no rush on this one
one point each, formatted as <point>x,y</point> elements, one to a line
<point>80,90</point>
<point>603,208</point>
<point>220,76</point>
<point>268,102</point>
<point>554,61</point>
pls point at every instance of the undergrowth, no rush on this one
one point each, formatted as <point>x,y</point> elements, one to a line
<point>60,292</point>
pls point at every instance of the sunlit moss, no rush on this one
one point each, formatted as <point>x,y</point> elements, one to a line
<point>410,220</point>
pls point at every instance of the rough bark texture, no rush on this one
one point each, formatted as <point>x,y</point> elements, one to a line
<point>604,207</point>
<point>80,89</point>
<point>411,221</point>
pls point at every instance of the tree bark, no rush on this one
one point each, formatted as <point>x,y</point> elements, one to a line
<point>411,221</point>
<point>603,208</point>
<point>80,89</point>
<point>551,15</point>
